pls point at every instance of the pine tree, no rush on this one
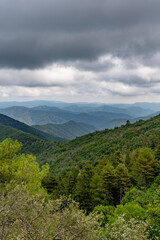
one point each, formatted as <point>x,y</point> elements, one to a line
<point>117,158</point>
<point>97,190</point>
<point>128,159</point>
<point>70,181</point>
<point>83,193</point>
<point>123,179</point>
<point>109,182</point>
<point>143,166</point>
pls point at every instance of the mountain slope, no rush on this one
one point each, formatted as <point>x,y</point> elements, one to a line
<point>89,148</point>
<point>94,146</point>
<point>31,144</point>
<point>68,130</point>
<point>7,121</point>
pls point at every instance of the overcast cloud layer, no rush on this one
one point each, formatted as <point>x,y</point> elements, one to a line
<point>71,50</point>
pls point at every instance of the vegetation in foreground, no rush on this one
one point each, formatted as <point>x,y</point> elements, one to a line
<point>116,200</point>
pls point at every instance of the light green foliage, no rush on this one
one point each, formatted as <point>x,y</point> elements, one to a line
<point>26,212</point>
<point>129,210</point>
<point>31,217</point>
<point>103,213</point>
<point>19,169</point>
<point>134,195</point>
<point>126,230</point>
<point>153,214</point>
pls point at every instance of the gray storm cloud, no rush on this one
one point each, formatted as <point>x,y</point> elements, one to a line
<point>97,49</point>
<point>37,33</point>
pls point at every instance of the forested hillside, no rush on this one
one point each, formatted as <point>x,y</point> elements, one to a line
<point>31,144</point>
<point>7,121</point>
<point>93,147</point>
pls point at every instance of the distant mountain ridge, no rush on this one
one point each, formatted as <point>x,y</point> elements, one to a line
<point>155,106</point>
<point>100,116</point>
<point>10,122</point>
<point>43,115</point>
<point>68,130</point>
<point>133,111</point>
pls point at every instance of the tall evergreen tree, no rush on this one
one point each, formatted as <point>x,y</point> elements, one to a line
<point>117,158</point>
<point>70,181</point>
<point>97,190</point>
<point>109,182</point>
<point>128,159</point>
<point>83,192</point>
<point>143,166</point>
<point>123,179</point>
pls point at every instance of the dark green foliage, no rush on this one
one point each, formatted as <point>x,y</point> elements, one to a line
<point>123,180</point>
<point>109,182</point>
<point>117,158</point>
<point>128,159</point>
<point>51,184</point>
<point>83,189</point>
<point>70,181</point>
<point>97,189</point>
<point>143,166</point>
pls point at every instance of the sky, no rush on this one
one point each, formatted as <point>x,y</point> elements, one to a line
<point>80,50</point>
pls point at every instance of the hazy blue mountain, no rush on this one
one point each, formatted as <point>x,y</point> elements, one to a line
<point>31,116</point>
<point>68,130</point>
<point>133,111</point>
<point>100,116</point>
<point>34,116</point>
<point>33,104</point>
<point>59,104</point>
<point>154,106</point>
<point>86,109</point>
<point>7,121</point>
<point>144,105</point>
